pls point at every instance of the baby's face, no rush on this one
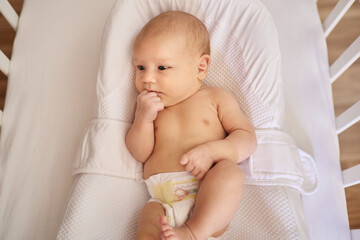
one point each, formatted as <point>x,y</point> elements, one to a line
<point>166,65</point>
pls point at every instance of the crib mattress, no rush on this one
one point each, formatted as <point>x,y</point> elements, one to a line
<point>48,65</point>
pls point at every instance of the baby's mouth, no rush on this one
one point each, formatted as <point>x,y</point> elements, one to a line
<point>157,92</point>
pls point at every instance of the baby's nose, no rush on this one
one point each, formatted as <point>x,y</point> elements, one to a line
<point>149,77</point>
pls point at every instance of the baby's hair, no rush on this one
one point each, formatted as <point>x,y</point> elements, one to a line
<point>180,22</point>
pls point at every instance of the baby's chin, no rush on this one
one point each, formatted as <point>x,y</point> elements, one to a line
<point>169,103</point>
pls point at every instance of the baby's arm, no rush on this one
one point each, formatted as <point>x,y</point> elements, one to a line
<point>140,137</point>
<point>237,146</point>
<point>241,140</point>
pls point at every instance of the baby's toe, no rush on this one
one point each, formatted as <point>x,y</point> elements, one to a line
<point>170,235</point>
<point>167,232</point>
<point>163,220</point>
<point>165,228</point>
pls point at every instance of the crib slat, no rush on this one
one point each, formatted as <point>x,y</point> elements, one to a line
<point>351,176</point>
<point>348,57</point>
<point>9,13</point>
<point>348,118</point>
<point>4,63</point>
<point>336,14</point>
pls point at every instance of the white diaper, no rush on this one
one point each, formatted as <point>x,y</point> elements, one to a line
<point>176,192</point>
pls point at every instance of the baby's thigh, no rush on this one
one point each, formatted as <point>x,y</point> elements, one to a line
<point>149,227</point>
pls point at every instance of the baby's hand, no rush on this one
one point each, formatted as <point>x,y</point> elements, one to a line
<point>197,161</point>
<point>148,105</point>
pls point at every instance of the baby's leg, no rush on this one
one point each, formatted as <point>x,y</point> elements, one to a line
<point>149,227</point>
<point>217,200</point>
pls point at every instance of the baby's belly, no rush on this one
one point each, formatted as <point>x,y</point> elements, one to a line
<point>163,162</point>
<point>168,152</point>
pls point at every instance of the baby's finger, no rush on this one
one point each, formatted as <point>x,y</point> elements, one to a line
<point>200,175</point>
<point>156,99</point>
<point>144,96</point>
<point>159,106</point>
<point>184,159</point>
<point>143,92</point>
<point>189,167</point>
<point>195,172</point>
<point>150,94</point>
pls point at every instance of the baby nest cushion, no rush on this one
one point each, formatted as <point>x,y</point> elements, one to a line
<point>245,60</point>
<point>105,207</point>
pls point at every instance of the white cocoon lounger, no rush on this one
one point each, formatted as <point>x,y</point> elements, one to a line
<point>108,195</point>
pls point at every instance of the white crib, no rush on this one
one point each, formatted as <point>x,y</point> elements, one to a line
<point>19,138</point>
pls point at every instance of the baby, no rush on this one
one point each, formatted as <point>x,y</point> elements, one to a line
<point>189,136</point>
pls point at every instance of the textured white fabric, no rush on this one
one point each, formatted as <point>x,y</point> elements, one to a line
<point>104,207</point>
<point>259,218</point>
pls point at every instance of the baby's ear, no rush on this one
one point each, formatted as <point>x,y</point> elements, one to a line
<point>204,62</point>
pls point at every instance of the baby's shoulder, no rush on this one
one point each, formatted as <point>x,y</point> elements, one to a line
<point>216,93</point>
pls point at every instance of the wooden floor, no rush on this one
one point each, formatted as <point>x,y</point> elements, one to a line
<point>344,95</point>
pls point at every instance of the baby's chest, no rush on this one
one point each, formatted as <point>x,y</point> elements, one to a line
<point>196,121</point>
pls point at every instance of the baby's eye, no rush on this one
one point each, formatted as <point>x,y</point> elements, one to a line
<point>141,68</point>
<point>162,68</point>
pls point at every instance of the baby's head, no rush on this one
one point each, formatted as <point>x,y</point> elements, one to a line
<point>172,56</point>
<point>179,24</point>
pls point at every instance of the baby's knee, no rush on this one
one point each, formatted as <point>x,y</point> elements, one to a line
<point>230,174</point>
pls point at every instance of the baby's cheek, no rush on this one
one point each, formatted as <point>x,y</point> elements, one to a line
<point>139,87</point>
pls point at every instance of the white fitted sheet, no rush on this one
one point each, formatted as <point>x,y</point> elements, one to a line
<point>50,100</point>
<point>309,111</point>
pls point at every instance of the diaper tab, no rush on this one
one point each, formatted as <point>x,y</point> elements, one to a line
<point>171,191</point>
<point>172,187</point>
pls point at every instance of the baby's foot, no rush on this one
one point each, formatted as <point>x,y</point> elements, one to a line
<point>170,233</point>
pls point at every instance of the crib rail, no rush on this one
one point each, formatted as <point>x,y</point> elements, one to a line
<point>9,13</point>
<point>336,14</point>
<point>4,63</point>
<point>349,56</point>
<point>12,18</point>
<point>351,176</point>
<point>349,117</point>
